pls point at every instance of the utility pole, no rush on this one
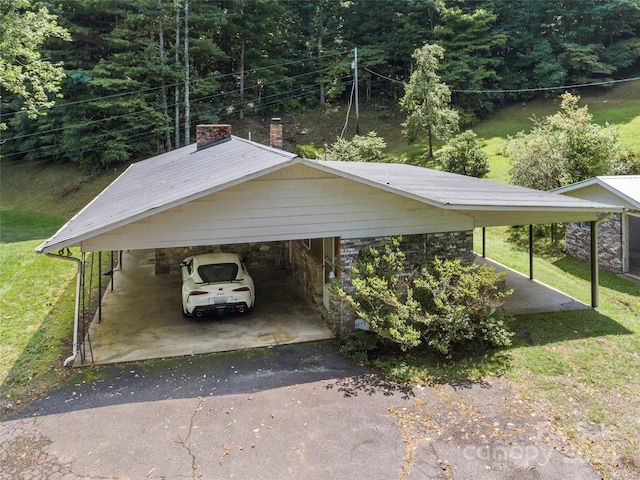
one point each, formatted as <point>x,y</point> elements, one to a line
<point>355,81</point>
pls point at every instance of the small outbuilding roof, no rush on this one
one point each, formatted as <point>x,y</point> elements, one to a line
<point>624,188</point>
<point>187,174</point>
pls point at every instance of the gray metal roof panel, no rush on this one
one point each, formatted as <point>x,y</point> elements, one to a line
<point>169,180</point>
<point>450,190</point>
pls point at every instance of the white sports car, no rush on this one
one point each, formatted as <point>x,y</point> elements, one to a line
<point>216,283</point>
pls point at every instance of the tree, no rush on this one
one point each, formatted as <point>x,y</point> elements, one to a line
<point>447,305</point>
<point>463,154</point>
<point>362,148</point>
<point>24,72</point>
<point>552,43</point>
<point>471,43</point>
<point>427,99</point>
<point>563,148</point>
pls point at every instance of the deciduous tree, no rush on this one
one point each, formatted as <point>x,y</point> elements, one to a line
<point>24,72</point>
<point>563,148</point>
<point>463,154</point>
<point>427,98</point>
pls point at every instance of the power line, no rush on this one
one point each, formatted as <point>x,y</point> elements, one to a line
<point>517,90</point>
<point>546,89</point>
<point>219,111</point>
<point>198,80</point>
<point>150,110</point>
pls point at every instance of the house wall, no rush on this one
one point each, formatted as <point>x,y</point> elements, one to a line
<point>307,268</point>
<point>610,238</point>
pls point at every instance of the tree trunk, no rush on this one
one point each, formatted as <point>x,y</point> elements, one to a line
<point>163,93</point>
<point>430,141</point>
<point>242,46</point>
<point>177,90</point>
<point>322,95</point>
<point>187,107</point>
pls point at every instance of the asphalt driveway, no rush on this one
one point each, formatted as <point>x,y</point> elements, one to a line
<point>287,412</point>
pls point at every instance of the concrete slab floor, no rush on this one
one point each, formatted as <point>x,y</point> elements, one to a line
<point>142,317</point>
<point>531,296</point>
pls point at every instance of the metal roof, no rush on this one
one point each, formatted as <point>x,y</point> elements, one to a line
<point>626,187</point>
<point>168,180</point>
<point>453,191</point>
<point>185,174</point>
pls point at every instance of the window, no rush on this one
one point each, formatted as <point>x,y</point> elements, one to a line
<point>585,225</point>
<point>218,272</point>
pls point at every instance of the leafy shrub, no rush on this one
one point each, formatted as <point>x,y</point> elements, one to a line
<point>362,148</point>
<point>309,151</point>
<point>463,154</point>
<point>445,304</point>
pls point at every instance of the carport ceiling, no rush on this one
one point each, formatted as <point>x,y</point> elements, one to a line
<point>240,191</point>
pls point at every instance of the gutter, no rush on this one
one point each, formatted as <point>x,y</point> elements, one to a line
<point>76,319</point>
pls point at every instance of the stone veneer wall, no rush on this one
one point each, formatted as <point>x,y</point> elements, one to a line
<point>577,243</point>
<point>308,273</point>
<point>443,245</point>
<point>257,255</point>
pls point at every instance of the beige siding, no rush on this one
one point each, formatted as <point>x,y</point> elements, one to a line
<point>597,193</point>
<point>296,202</point>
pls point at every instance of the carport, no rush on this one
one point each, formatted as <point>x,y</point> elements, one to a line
<point>143,318</point>
<point>144,323</point>
<point>229,191</point>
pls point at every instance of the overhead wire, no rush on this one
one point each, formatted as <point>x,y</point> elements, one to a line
<point>230,109</point>
<point>150,109</point>
<point>219,111</point>
<point>195,81</point>
<point>516,90</point>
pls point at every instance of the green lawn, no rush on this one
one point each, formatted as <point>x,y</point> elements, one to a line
<point>37,303</point>
<point>582,368</point>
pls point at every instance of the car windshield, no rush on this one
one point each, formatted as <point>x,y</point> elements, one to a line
<point>218,272</point>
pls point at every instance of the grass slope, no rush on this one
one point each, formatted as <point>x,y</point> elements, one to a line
<point>581,368</point>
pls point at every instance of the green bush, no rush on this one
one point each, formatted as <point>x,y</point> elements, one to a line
<point>309,151</point>
<point>463,154</point>
<point>362,148</point>
<point>445,304</point>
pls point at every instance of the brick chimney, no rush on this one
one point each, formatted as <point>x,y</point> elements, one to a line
<point>207,135</point>
<point>275,134</point>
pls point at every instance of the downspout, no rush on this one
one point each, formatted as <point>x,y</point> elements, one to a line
<point>594,259</point>
<point>76,320</point>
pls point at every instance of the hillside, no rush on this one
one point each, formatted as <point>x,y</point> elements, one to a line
<point>55,192</point>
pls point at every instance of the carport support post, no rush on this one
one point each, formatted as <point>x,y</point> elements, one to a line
<point>530,252</point>
<point>594,264</point>
<point>99,286</point>
<point>484,241</point>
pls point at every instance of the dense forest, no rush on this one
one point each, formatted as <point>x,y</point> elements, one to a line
<point>139,75</point>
